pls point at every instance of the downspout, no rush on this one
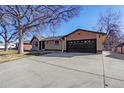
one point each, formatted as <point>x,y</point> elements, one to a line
<point>121,49</point>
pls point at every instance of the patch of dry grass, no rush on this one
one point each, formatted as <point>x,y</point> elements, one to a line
<point>10,55</point>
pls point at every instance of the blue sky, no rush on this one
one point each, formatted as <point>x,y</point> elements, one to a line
<point>87,19</point>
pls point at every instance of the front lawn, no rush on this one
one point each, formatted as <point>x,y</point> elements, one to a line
<point>10,55</point>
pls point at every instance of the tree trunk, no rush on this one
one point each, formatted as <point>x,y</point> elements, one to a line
<point>6,41</point>
<point>21,40</point>
<point>6,46</point>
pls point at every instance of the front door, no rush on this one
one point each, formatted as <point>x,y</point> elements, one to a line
<point>43,44</point>
<point>40,45</point>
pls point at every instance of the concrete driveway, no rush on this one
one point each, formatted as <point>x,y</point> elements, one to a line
<point>64,70</point>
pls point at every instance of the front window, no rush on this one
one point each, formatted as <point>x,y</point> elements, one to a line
<point>56,42</point>
<point>36,44</point>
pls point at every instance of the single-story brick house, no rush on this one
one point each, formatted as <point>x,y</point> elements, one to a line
<point>79,40</point>
<point>120,48</point>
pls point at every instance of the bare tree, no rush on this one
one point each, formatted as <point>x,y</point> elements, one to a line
<point>26,18</point>
<point>122,37</point>
<point>6,33</point>
<point>110,23</point>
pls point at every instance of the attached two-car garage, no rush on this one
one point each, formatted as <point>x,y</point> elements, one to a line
<point>85,46</point>
<point>84,41</point>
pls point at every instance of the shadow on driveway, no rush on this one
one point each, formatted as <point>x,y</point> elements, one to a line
<point>116,55</point>
<point>67,55</point>
<point>58,54</point>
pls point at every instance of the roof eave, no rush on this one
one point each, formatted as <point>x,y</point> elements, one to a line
<point>84,30</point>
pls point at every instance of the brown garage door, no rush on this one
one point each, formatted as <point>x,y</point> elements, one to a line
<point>85,46</point>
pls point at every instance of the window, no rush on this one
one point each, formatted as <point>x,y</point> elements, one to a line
<point>36,44</point>
<point>85,41</point>
<point>56,42</point>
<point>88,41</point>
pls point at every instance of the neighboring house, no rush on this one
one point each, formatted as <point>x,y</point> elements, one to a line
<point>2,46</point>
<point>120,48</point>
<point>111,42</point>
<point>10,46</point>
<point>36,42</point>
<point>78,41</point>
<point>27,45</point>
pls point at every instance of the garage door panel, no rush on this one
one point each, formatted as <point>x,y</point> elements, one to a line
<point>86,46</point>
